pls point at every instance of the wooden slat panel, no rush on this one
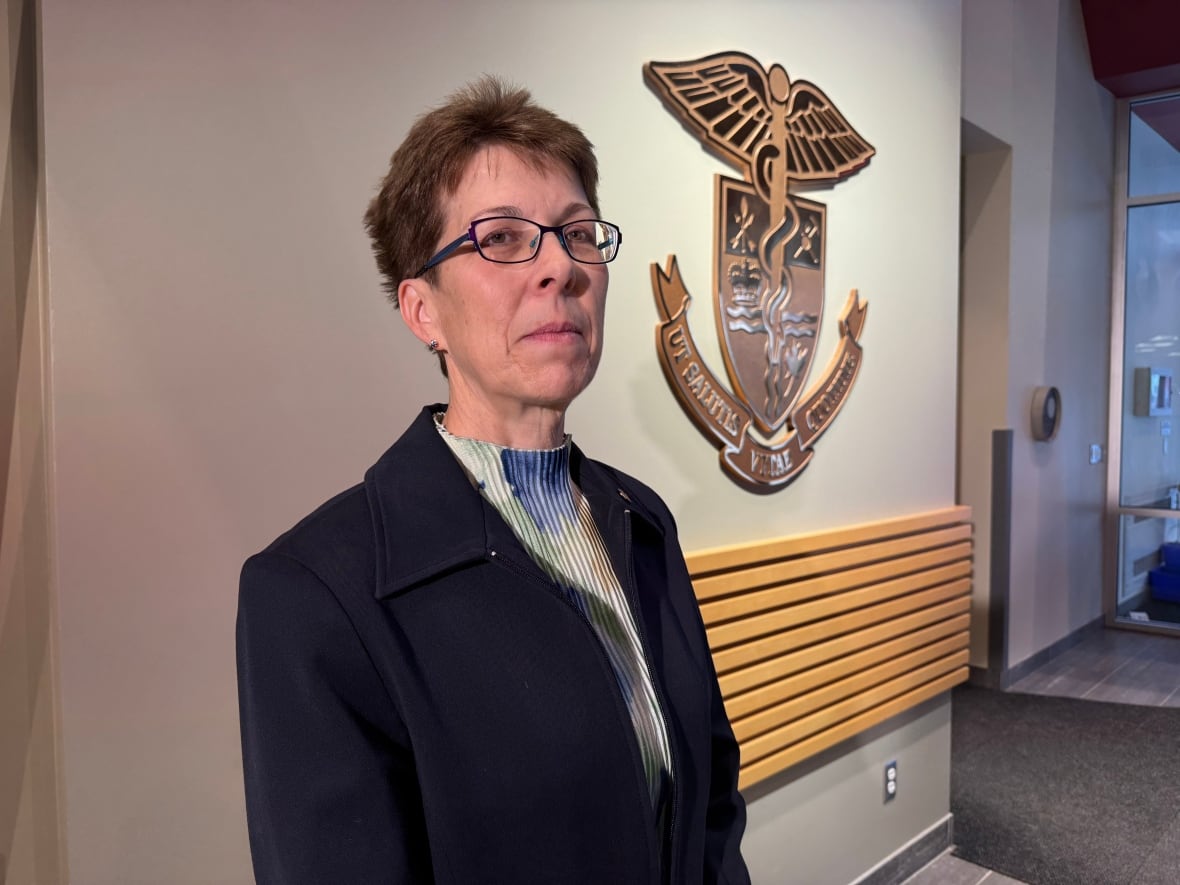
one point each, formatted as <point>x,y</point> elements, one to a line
<point>748,702</point>
<point>795,592</point>
<point>798,567</point>
<point>747,653</point>
<point>820,636</point>
<point>782,618</point>
<point>797,730</point>
<point>810,651</point>
<point>788,756</point>
<point>741,555</point>
<point>809,699</point>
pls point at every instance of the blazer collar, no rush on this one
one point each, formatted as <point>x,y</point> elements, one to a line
<point>428,518</point>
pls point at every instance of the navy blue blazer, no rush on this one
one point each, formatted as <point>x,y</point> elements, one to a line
<point>421,703</point>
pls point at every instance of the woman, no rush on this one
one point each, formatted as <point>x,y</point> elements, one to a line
<point>485,662</point>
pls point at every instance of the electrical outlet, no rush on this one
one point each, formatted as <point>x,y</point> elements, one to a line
<point>890,781</point>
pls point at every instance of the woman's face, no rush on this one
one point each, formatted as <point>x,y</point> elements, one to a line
<point>516,336</point>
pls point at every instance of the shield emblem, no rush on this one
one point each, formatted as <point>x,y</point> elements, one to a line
<point>768,267</point>
<point>767,327</point>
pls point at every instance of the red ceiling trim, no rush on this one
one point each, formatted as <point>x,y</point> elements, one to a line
<point>1134,44</point>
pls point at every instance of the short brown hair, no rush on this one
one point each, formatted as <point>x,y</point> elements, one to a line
<point>405,218</point>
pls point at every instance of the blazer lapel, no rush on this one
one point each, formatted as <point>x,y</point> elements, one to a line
<point>426,516</point>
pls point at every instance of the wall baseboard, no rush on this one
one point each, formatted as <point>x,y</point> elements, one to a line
<point>910,858</point>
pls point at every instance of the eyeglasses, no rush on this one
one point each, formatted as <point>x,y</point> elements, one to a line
<point>506,239</point>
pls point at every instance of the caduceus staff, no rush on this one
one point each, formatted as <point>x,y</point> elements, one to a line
<point>777,133</point>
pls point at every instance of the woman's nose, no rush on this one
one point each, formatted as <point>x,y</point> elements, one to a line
<point>555,261</point>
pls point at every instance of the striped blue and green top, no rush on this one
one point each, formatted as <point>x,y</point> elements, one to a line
<point>533,491</point>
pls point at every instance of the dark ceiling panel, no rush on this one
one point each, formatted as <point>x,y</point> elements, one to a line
<point>1134,44</point>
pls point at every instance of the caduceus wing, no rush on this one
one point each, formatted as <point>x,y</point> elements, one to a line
<point>821,144</point>
<point>723,99</point>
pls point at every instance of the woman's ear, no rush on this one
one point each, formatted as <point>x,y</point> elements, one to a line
<point>415,304</point>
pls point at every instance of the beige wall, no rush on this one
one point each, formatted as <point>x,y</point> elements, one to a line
<point>30,846</point>
<point>1027,82</point>
<point>983,347</point>
<point>223,360</point>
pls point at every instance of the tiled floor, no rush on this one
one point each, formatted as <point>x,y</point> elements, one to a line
<point>1114,665</point>
<point>950,870</point>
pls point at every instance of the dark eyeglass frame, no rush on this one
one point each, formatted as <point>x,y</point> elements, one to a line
<point>557,230</point>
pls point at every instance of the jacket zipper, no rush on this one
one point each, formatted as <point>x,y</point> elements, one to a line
<point>549,587</point>
<point>660,700</point>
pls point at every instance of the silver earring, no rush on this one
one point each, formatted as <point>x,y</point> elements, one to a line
<point>433,345</point>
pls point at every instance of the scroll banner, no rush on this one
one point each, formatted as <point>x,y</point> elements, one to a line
<point>725,419</point>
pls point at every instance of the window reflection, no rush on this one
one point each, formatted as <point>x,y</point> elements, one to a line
<point>1153,166</point>
<point>1149,579</point>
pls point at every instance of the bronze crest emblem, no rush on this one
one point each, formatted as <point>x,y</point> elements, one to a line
<point>768,272</point>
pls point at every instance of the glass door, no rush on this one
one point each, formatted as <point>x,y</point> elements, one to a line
<point>1145,363</point>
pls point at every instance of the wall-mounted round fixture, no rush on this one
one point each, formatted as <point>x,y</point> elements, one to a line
<point>1046,413</point>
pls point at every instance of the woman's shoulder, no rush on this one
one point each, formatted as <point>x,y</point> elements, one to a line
<point>344,521</point>
<point>331,541</point>
<point>334,520</point>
